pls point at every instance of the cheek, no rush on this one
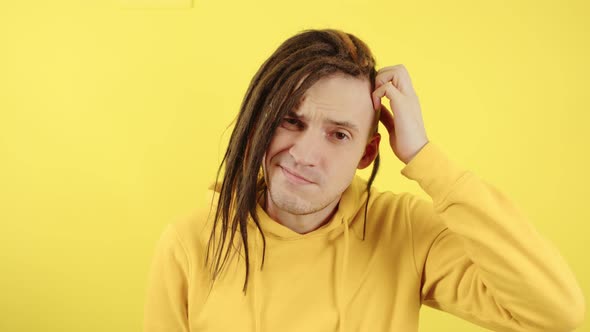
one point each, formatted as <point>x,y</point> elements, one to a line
<point>346,162</point>
<point>277,144</point>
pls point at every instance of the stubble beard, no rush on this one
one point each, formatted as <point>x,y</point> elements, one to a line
<point>294,203</point>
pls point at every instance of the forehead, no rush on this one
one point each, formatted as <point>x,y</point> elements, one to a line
<point>339,98</point>
<point>340,95</point>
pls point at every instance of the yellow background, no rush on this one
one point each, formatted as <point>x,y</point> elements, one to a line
<point>112,120</point>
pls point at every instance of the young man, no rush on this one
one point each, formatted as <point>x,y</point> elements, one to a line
<point>298,242</point>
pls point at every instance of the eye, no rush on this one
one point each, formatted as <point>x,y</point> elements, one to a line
<point>341,136</point>
<point>292,123</point>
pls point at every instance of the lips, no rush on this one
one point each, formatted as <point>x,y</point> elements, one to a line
<point>295,176</point>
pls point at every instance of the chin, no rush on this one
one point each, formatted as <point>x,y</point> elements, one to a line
<point>291,202</point>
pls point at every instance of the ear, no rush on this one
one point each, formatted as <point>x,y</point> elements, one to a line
<point>371,151</point>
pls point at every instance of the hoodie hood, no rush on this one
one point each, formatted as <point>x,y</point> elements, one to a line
<point>352,202</point>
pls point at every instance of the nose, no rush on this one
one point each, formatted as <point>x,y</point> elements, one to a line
<point>306,148</point>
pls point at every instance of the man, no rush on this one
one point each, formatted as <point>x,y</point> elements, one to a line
<point>319,249</point>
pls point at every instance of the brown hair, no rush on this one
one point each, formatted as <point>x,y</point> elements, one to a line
<point>275,89</point>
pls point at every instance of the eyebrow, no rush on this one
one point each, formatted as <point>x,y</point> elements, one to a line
<point>345,124</point>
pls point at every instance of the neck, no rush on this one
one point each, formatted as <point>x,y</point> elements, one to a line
<point>300,223</point>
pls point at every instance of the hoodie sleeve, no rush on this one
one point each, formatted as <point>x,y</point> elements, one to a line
<point>167,288</point>
<point>479,258</point>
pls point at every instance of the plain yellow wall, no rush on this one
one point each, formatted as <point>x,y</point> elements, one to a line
<point>112,123</point>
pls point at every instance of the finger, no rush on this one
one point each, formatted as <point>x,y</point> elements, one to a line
<point>386,118</point>
<point>387,73</point>
<point>398,75</point>
<point>387,90</point>
<point>381,76</point>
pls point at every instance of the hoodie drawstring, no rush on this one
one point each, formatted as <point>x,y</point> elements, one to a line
<point>341,288</point>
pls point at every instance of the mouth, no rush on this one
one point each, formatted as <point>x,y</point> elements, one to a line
<point>294,177</point>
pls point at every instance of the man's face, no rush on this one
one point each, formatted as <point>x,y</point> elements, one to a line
<point>314,153</point>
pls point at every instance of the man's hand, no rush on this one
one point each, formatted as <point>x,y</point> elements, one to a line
<point>407,134</point>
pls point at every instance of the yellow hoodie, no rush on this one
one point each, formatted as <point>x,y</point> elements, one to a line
<point>469,252</point>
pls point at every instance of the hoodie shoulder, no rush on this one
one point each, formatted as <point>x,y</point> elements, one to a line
<point>194,228</point>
